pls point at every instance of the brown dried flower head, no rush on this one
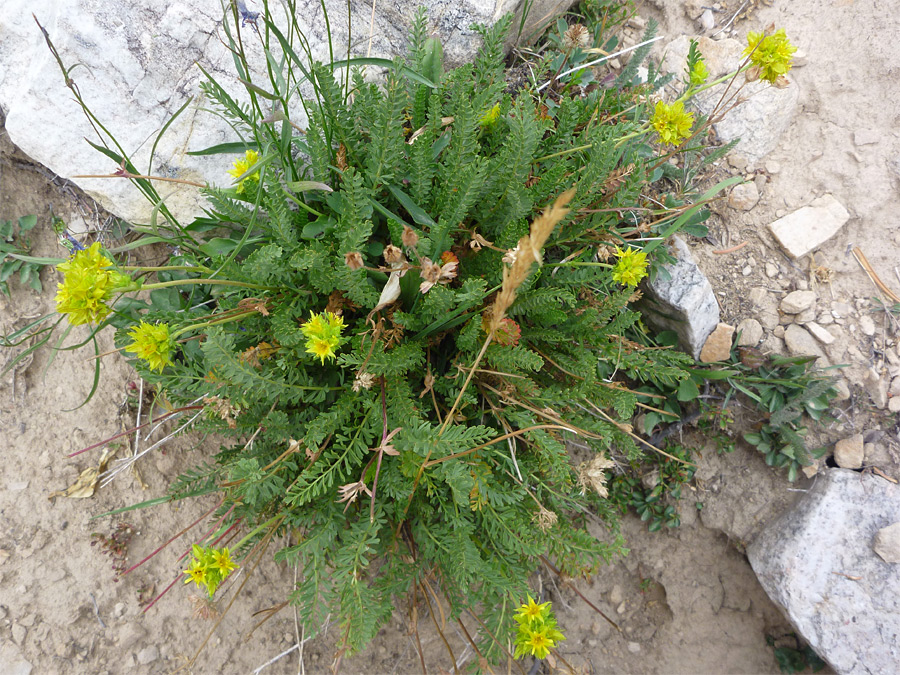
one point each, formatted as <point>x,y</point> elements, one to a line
<point>432,273</point>
<point>545,519</point>
<point>591,475</point>
<point>353,260</point>
<point>363,381</point>
<point>392,254</point>
<point>576,37</point>
<point>409,237</point>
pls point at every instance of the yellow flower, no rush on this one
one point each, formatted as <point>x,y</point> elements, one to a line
<point>223,562</point>
<point>153,343</point>
<point>89,281</point>
<point>698,74</point>
<point>772,55</point>
<point>196,573</point>
<point>241,166</point>
<point>672,123</point>
<point>323,334</point>
<point>631,266</point>
<point>537,641</point>
<point>489,118</point>
<point>532,611</point>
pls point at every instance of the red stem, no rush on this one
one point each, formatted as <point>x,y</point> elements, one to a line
<point>174,538</point>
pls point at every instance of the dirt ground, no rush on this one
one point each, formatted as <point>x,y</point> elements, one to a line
<point>686,600</point>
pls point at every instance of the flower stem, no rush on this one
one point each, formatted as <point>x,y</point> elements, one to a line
<point>187,268</point>
<point>209,282</point>
<point>212,322</point>
<point>256,530</point>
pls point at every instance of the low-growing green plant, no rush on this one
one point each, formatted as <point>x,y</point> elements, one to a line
<point>796,658</point>
<point>14,244</point>
<point>404,314</point>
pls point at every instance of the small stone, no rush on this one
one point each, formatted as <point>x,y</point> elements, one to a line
<point>843,391</point>
<point>895,387</point>
<point>849,452</point>
<point>867,325</point>
<point>744,197</point>
<point>773,167</point>
<point>18,633</point>
<point>841,310</point>
<point>887,543</point>
<point>800,59</point>
<point>119,610</point>
<point>738,161</point>
<point>615,595</point>
<point>825,319</point>
<point>778,332</point>
<point>771,270</point>
<point>751,333</point>
<point>821,334</point>
<point>805,316</point>
<point>894,404</point>
<point>809,227</point>
<point>800,343</point>
<point>876,387</point>
<point>634,647</point>
<point>650,480</point>
<point>866,137</point>
<point>148,655</point>
<point>747,271</point>
<point>707,20</point>
<point>718,344</point>
<point>621,608</point>
<point>798,301</point>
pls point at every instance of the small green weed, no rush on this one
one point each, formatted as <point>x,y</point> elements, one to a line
<point>794,659</point>
<point>14,245</point>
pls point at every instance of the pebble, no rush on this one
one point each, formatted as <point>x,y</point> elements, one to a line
<point>806,316</point>
<point>887,543</point>
<point>800,343</point>
<point>809,227</point>
<point>148,655</point>
<point>707,20</point>
<point>771,270</point>
<point>877,388</point>
<point>894,404</point>
<point>621,608</point>
<point>841,310</point>
<point>18,633</point>
<point>849,452</point>
<point>895,387</point>
<point>747,271</point>
<point>867,325</point>
<point>634,647</point>
<point>744,197</point>
<point>737,161</point>
<point>778,331</point>
<point>843,391</point>
<point>820,333</point>
<point>718,345</point>
<point>751,333</point>
<point>798,301</point>
<point>615,595</point>
<point>825,319</point>
<point>773,167</point>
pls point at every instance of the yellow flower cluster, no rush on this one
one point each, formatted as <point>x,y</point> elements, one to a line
<point>672,123</point>
<point>772,54</point>
<point>153,343</point>
<point>323,334</point>
<point>241,166</point>
<point>699,73</point>
<point>537,633</point>
<point>489,118</point>
<point>209,567</point>
<point>89,281</point>
<point>631,266</point>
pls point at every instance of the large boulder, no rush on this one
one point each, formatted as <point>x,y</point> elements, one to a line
<point>818,563</point>
<point>138,65</point>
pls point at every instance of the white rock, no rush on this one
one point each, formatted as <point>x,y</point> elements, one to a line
<point>851,624</point>
<point>887,543</point>
<point>809,227</point>
<point>766,111</point>
<point>634,647</point>
<point>771,270</point>
<point>148,655</point>
<point>797,301</point>
<point>867,325</point>
<point>894,404</point>
<point>843,391</point>
<point>751,333</point>
<point>800,343</point>
<point>821,334</point>
<point>867,137</point>
<point>139,58</point>
<point>743,197</point>
<point>685,303</point>
<point>849,452</point>
<point>877,387</point>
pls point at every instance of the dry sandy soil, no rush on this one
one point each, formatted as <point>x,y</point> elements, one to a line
<point>686,600</point>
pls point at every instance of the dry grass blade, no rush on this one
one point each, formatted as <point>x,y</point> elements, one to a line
<point>861,259</point>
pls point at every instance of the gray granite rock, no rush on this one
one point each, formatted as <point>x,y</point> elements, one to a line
<point>140,66</point>
<point>685,303</point>
<point>817,563</point>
